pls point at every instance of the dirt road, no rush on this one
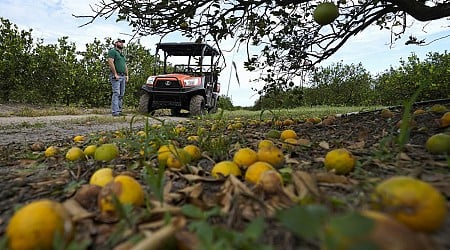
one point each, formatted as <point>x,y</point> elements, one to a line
<point>26,130</point>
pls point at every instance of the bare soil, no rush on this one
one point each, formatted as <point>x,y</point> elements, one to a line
<point>26,175</point>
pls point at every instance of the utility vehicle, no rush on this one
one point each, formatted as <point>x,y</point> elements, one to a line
<point>188,82</point>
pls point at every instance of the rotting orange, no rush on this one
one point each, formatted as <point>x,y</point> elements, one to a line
<point>438,144</point>
<point>225,168</point>
<point>288,133</point>
<point>36,225</point>
<point>340,160</point>
<point>254,171</point>
<point>193,151</point>
<point>51,151</point>
<point>101,177</point>
<point>127,190</point>
<point>272,155</point>
<point>245,157</point>
<point>265,143</point>
<point>444,121</point>
<point>415,203</point>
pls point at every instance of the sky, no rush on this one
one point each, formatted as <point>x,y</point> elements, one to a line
<point>53,19</point>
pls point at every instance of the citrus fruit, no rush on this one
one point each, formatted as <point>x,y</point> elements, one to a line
<point>272,155</point>
<point>178,159</point>
<point>290,143</point>
<point>438,108</point>
<point>383,232</point>
<point>275,134</point>
<point>74,154</point>
<point>127,190</point>
<point>36,225</point>
<point>225,168</point>
<point>288,133</point>
<point>386,113</point>
<point>164,151</point>
<point>193,151</point>
<point>444,121</point>
<point>51,151</point>
<point>270,181</point>
<point>254,171</point>
<point>245,157</point>
<point>101,177</point>
<point>418,112</point>
<point>340,160</point>
<point>265,143</point>
<point>79,138</point>
<point>106,152</point>
<point>90,150</point>
<point>438,144</point>
<point>325,13</point>
<point>413,202</point>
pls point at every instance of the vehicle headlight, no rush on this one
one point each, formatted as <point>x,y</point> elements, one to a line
<point>150,80</point>
<point>191,82</point>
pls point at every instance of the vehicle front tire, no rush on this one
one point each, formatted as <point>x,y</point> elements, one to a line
<point>144,103</point>
<point>197,105</point>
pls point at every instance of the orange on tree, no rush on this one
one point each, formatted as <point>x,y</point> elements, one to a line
<point>225,168</point>
<point>411,201</point>
<point>37,224</point>
<point>325,13</point>
<point>245,157</point>
<point>340,160</point>
<point>254,171</point>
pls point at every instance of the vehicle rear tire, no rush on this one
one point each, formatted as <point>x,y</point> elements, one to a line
<point>197,105</point>
<point>144,103</point>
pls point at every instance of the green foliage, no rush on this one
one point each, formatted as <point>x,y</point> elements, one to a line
<point>38,73</point>
<point>217,237</point>
<point>225,103</point>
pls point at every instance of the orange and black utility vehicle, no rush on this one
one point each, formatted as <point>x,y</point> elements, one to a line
<point>185,77</point>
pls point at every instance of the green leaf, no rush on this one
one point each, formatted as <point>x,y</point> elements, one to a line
<point>351,225</point>
<point>192,211</point>
<point>255,229</point>
<point>304,221</point>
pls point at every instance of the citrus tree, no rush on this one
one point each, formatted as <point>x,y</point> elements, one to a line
<point>293,35</point>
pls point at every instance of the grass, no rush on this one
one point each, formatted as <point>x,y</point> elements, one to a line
<point>299,113</point>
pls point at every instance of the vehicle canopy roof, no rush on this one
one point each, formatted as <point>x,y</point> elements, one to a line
<point>187,49</point>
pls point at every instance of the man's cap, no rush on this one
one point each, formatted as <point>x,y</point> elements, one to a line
<point>120,40</point>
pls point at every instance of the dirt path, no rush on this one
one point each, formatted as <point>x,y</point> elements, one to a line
<point>27,130</point>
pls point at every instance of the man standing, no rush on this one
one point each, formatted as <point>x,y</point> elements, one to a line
<point>118,76</point>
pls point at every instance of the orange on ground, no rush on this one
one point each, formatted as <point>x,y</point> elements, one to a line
<point>288,133</point>
<point>36,225</point>
<point>225,168</point>
<point>272,155</point>
<point>413,202</point>
<point>254,171</point>
<point>245,157</point>
<point>340,160</point>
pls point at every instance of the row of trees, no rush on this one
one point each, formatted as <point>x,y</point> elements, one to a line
<point>38,73</point>
<point>34,72</point>
<point>340,84</point>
